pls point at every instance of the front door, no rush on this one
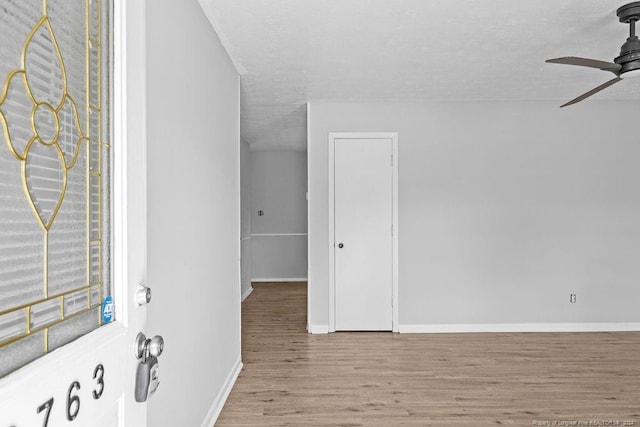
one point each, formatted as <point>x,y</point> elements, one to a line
<point>363,212</point>
<point>72,211</point>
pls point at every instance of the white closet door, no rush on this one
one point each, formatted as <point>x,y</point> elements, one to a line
<point>363,234</point>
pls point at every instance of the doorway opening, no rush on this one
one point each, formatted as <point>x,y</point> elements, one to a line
<point>274,214</point>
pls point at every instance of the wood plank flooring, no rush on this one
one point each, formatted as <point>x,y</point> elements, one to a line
<point>291,378</point>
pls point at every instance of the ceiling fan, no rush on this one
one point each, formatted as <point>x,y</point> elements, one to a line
<point>624,66</point>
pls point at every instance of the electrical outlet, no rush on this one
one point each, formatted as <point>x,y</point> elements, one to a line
<point>572,298</point>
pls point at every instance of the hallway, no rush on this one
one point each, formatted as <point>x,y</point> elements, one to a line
<point>291,378</point>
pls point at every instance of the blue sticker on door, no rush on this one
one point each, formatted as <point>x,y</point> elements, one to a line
<point>107,309</point>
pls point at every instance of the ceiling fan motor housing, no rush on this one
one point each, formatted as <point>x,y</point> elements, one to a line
<point>629,58</point>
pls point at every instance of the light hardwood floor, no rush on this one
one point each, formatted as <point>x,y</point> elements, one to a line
<point>291,378</point>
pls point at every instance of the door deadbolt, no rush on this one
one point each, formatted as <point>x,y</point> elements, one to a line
<point>340,245</point>
<point>143,295</point>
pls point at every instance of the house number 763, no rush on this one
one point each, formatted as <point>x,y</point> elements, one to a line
<point>73,397</point>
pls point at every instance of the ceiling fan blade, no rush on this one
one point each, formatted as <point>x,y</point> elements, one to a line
<point>592,91</point>
<point>586,62</point>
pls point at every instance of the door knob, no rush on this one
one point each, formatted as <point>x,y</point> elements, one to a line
<point>156,346</point>
<point>145,347</point>
<point>340,245</point>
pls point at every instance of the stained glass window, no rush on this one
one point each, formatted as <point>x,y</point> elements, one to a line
<point>54,174</point>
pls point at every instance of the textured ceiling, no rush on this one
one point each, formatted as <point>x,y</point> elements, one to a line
<point>293,51</point>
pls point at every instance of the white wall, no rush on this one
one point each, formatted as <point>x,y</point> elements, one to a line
<point>505,209</point>
<point>279,237</point>
<point>193,211</point>
<point>245,218</point>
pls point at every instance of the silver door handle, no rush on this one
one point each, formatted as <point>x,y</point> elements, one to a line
<point>145,347</point>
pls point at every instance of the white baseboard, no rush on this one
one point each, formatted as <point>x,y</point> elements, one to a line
<point>318,329</point>
<point>214,412</point>
<point>519,327</point>
<point>288,279</point>
<point>279,234</point>
<point>247,293</point>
